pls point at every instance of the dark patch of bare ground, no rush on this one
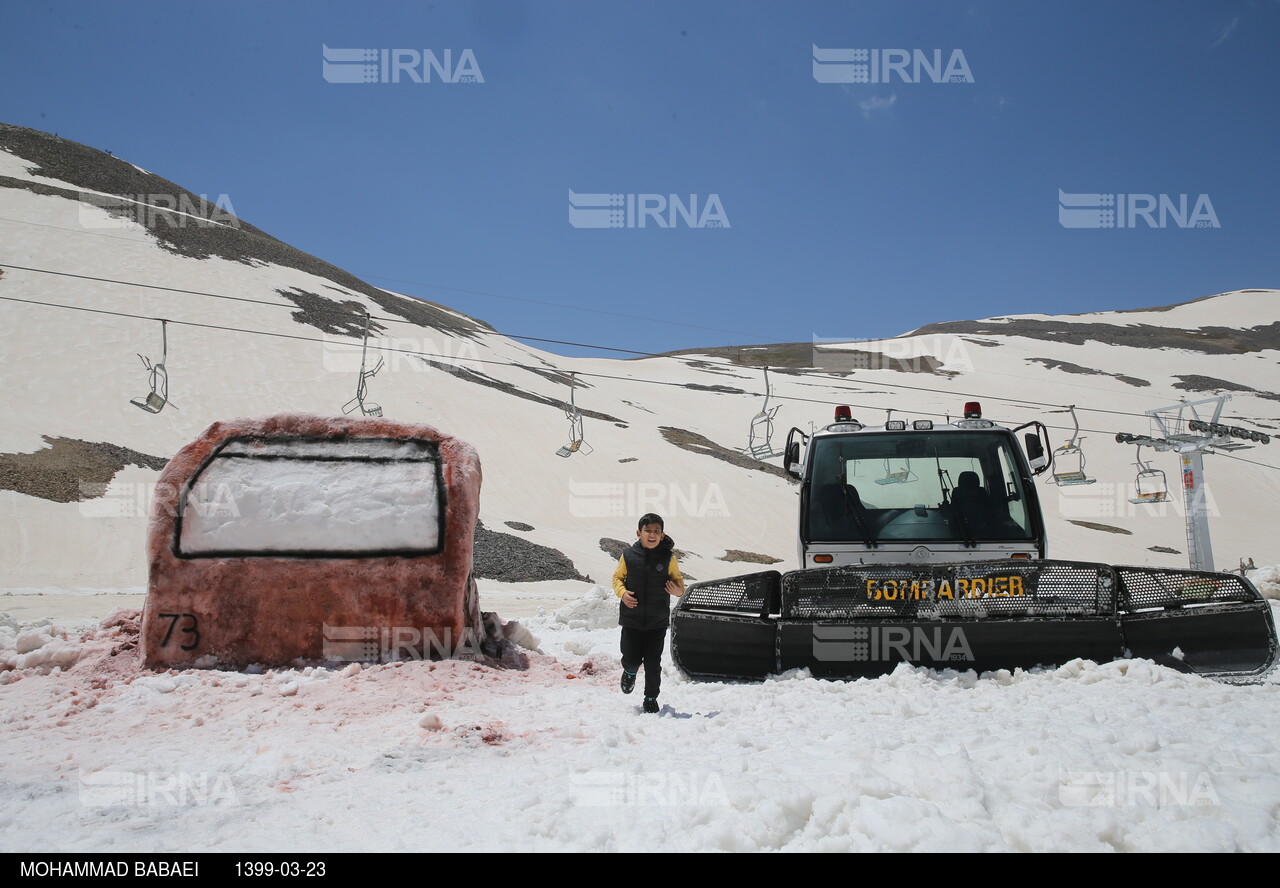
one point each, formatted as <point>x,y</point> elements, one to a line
<point>518,525</point>
<point>722,389</point>
<point>1068,367</point>
<point>714,368</point>
<point>511,559</point>
<point>214,230</point>
<point>614,548</point>
<point>1207,340</point>
<point>345,318</point>
<point>695,443</point>
<point>1106,528</point>
<point>563,377</point>
<point>751,557</point>
<point>1165,549</point>
<point>1196,383</point>
<point>508,388</point>
<point>786,357</point>
<point>70,470</point>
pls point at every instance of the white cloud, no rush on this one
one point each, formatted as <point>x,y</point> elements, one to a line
<point>876,103</point>
<point>1226,32</point>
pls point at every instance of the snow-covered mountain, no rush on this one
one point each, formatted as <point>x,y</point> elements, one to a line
<point>95,252</point>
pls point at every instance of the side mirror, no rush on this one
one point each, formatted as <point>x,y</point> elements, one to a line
<point>792,459</point>
<point>1035,452</point>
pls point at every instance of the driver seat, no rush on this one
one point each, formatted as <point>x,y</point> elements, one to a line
<point>972,500</point>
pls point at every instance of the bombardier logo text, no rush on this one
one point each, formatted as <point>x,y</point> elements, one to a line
<point>923,590</point>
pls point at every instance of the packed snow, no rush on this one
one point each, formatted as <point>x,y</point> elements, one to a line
<point>414,755</point>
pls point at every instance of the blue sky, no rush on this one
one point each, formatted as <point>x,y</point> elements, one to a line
<point>854,210</point>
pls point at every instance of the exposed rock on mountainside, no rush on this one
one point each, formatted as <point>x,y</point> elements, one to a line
<point>696,443</point>
<point>1068,367</point>
<point>512,559</point>
<point>70,470</point>
<point>1207,340</point>
<point>223,236</point>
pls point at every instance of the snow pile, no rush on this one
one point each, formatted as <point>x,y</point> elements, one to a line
<point>1267,580</point>
<point>598,609</point>
<point>39,646</point>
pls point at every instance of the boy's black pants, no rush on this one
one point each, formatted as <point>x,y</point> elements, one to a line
<point>645,645</point>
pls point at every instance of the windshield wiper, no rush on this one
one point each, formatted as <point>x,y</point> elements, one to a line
<point>949,501</point>
<point>852,508</point>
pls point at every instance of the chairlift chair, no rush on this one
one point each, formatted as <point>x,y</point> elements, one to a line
<point>362,389</point>
<point>577,440</point>
<point>1072,456</point>
<point>158,378</point>
<point>1150,485</point>
<point>362,386</point>
<point>901,476</point>
<point>760,434</point>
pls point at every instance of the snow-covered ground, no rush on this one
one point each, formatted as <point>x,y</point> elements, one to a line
<point>100,755</point>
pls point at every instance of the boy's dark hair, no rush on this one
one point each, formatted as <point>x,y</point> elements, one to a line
<point>650,518</point>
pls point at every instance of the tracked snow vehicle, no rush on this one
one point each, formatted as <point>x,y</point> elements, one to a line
<point>924,543</point>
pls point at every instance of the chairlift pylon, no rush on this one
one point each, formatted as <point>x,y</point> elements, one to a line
<point>362,386</point>
<point>1155,488</point>
<point>760,433</point>
<point>157,377</point>
<point>577,440</point>
<point>1072,455</point>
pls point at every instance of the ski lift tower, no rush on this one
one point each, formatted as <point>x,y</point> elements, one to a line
<point>1190,429</point>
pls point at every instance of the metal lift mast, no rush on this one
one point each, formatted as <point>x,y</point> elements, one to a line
<point>1189,429</point>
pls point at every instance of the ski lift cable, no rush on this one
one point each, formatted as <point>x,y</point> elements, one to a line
<point>134,241</point>
<point>389,319</point>
<point>594,375</point>
<point>833,382</point>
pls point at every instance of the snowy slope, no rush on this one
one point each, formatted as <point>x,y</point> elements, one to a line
<point>71,374</point>
<point>100,756</point>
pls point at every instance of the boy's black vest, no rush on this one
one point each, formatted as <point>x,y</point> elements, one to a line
<point>647,575</point>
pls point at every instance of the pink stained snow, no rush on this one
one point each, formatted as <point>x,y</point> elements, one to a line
<point>423,756</point>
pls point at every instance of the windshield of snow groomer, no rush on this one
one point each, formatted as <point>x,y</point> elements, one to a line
<point>919,485</point>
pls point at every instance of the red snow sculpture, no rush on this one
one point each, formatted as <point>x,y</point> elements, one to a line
<point>312,537</point>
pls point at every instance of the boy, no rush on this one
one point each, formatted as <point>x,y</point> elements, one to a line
<point>645,579</point>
